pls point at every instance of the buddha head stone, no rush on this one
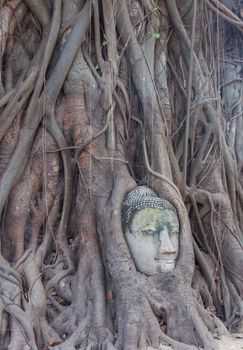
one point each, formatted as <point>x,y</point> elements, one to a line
<point>151,228</point>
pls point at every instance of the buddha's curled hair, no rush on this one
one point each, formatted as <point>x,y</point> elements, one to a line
<point>139,198</point>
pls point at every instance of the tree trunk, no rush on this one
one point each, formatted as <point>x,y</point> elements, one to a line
<point>97,99</point>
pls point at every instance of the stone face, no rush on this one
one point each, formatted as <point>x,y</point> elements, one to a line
<point>151,230</point>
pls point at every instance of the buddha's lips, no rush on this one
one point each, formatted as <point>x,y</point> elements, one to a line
<point>163,257</point>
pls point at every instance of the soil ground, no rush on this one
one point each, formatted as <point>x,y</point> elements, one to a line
<point>233,342</point>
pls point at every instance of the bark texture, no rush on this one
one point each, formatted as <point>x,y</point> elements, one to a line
<point>97,97</point>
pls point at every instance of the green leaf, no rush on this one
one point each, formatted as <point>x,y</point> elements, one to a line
<point>156,35</point>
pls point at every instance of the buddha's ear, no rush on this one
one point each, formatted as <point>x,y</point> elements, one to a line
<point>130,232</point>
<point>126,230</point>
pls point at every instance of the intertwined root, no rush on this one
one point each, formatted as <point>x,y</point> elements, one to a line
<point>95,108</point>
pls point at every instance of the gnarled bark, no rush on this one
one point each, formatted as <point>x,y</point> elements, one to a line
<point>106,96</point>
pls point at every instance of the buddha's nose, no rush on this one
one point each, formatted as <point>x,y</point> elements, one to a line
<point>166,246</point>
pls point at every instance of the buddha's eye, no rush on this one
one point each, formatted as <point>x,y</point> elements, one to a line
<point>174,229</point>
<point>148,232</point>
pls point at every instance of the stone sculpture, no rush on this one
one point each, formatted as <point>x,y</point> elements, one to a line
<point>151,228</point>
